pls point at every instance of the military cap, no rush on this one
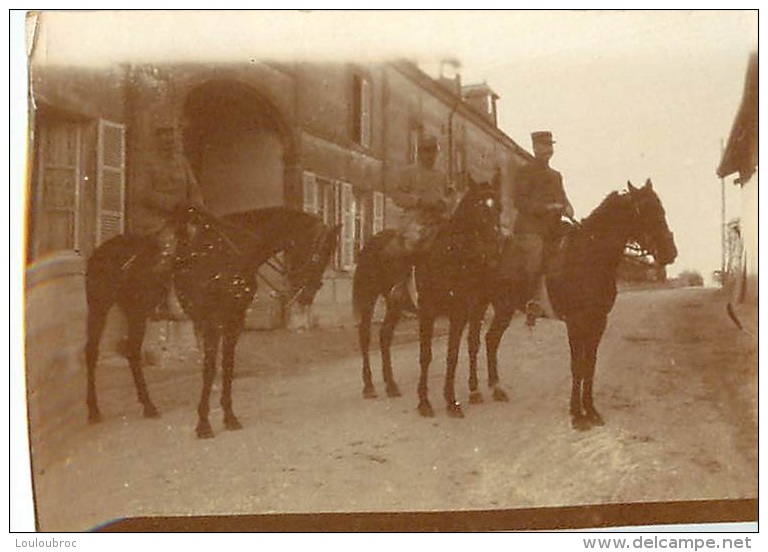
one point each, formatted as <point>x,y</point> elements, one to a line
<point>542,136</point>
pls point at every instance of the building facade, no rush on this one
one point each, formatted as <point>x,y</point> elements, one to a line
<point>331,139</point>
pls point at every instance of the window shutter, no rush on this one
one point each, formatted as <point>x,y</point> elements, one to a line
<point>365,112</point>
<point>378,212</point>
<point>309,193</point>
<point>110,181</point>
<point>347,212</point>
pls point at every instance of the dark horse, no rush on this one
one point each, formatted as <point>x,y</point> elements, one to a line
<point>582,287</point>
<point>450,280</point>
<point>215,278</point>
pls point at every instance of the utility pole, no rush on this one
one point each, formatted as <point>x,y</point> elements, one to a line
<point>723,229</point>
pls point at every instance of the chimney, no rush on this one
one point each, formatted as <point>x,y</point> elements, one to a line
<point>482,99</point>
<point>450,77</point>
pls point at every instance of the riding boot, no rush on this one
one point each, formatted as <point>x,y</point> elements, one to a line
<point>533,309</point>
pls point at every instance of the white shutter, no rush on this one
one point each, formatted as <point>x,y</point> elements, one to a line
<point>309,192</point>
<point>110,180</point>
<point>365,112</point>
<point>378,212</point>
<point>347,212</point>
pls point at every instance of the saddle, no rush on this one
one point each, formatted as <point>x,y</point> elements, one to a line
<point>512,261</point>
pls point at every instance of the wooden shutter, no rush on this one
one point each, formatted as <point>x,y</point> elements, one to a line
<point>347,214</point>
<point>110,180</point>
<point>365,112</point>
<point>378,212</point>
<point>309,192</point>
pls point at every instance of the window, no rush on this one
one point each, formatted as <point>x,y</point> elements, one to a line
<point>58,188</point>
<point>362,107</point>
<point>335,202</point>
<point>110,184</point>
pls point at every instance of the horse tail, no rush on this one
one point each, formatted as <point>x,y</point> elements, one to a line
<point>364,290</point>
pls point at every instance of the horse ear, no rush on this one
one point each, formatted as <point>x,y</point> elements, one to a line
<point>630,187</point>
<point>649,184</point>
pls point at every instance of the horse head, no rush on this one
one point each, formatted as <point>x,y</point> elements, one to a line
<point>479,209</point>
<point>307,261</point>
<point>649,224</point>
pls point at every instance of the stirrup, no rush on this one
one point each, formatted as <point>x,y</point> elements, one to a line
<point>533,311</point>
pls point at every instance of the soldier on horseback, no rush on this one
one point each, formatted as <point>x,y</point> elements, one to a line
<point>425,199</point>
<point>170,185</point>
<point>541,201</point>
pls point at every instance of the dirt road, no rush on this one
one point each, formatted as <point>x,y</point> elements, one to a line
<point>676,383</point>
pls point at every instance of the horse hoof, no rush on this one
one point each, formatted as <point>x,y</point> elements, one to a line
<point>426,411</point>
<point>476,397</point>
<point>204,430</point>
<point>499,395</point>
<point>232,424</point>
<point>595,419</point>
<point>393,391</point>
<point>151,412</point>
<point>580,423</point>
<point>369,393</point>
<point>454,410</point>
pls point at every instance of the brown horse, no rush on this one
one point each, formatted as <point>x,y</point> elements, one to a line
<point>583,288</point>
<point>215,278</point>
<point>451,280</point>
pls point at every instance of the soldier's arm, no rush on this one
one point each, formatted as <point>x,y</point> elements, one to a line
<point>194,193</point>
<point>567,207</point>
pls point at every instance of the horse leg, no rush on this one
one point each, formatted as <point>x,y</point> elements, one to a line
<point>473,347</point>
<point>576,342</point>
<point>386,333</point>
<point>229,344</point>
<point>426,329</point>
<point>364,339</point>
<point>210,349</point>
<point>590,361</point>
<point>502,315</point>
<point>137,325</point>
<point>97,319</point>
<point>458,322</point>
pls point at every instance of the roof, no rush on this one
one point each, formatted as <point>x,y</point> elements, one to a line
<point>478,89</point>
<point>740,154</point>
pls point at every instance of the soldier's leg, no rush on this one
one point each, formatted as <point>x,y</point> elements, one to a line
<point>534,252</point>
<point>169,308</point>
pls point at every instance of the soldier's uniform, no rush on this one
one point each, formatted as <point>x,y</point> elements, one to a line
<point>425,199</point>
<point>540,200</point>
<point>170,185</point>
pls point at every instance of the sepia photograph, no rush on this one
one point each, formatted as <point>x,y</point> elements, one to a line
<point>389,270</point>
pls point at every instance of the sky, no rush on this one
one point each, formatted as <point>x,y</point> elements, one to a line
<point>628,95</point>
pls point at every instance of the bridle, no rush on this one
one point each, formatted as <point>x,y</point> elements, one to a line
<point>310,264</point>
<point>643,236</point>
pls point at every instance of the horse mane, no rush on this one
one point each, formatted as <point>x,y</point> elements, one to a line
<point>605,211</point>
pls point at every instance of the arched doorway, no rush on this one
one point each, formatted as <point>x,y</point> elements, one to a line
<point>237,144</point>
<point>235,141</point>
